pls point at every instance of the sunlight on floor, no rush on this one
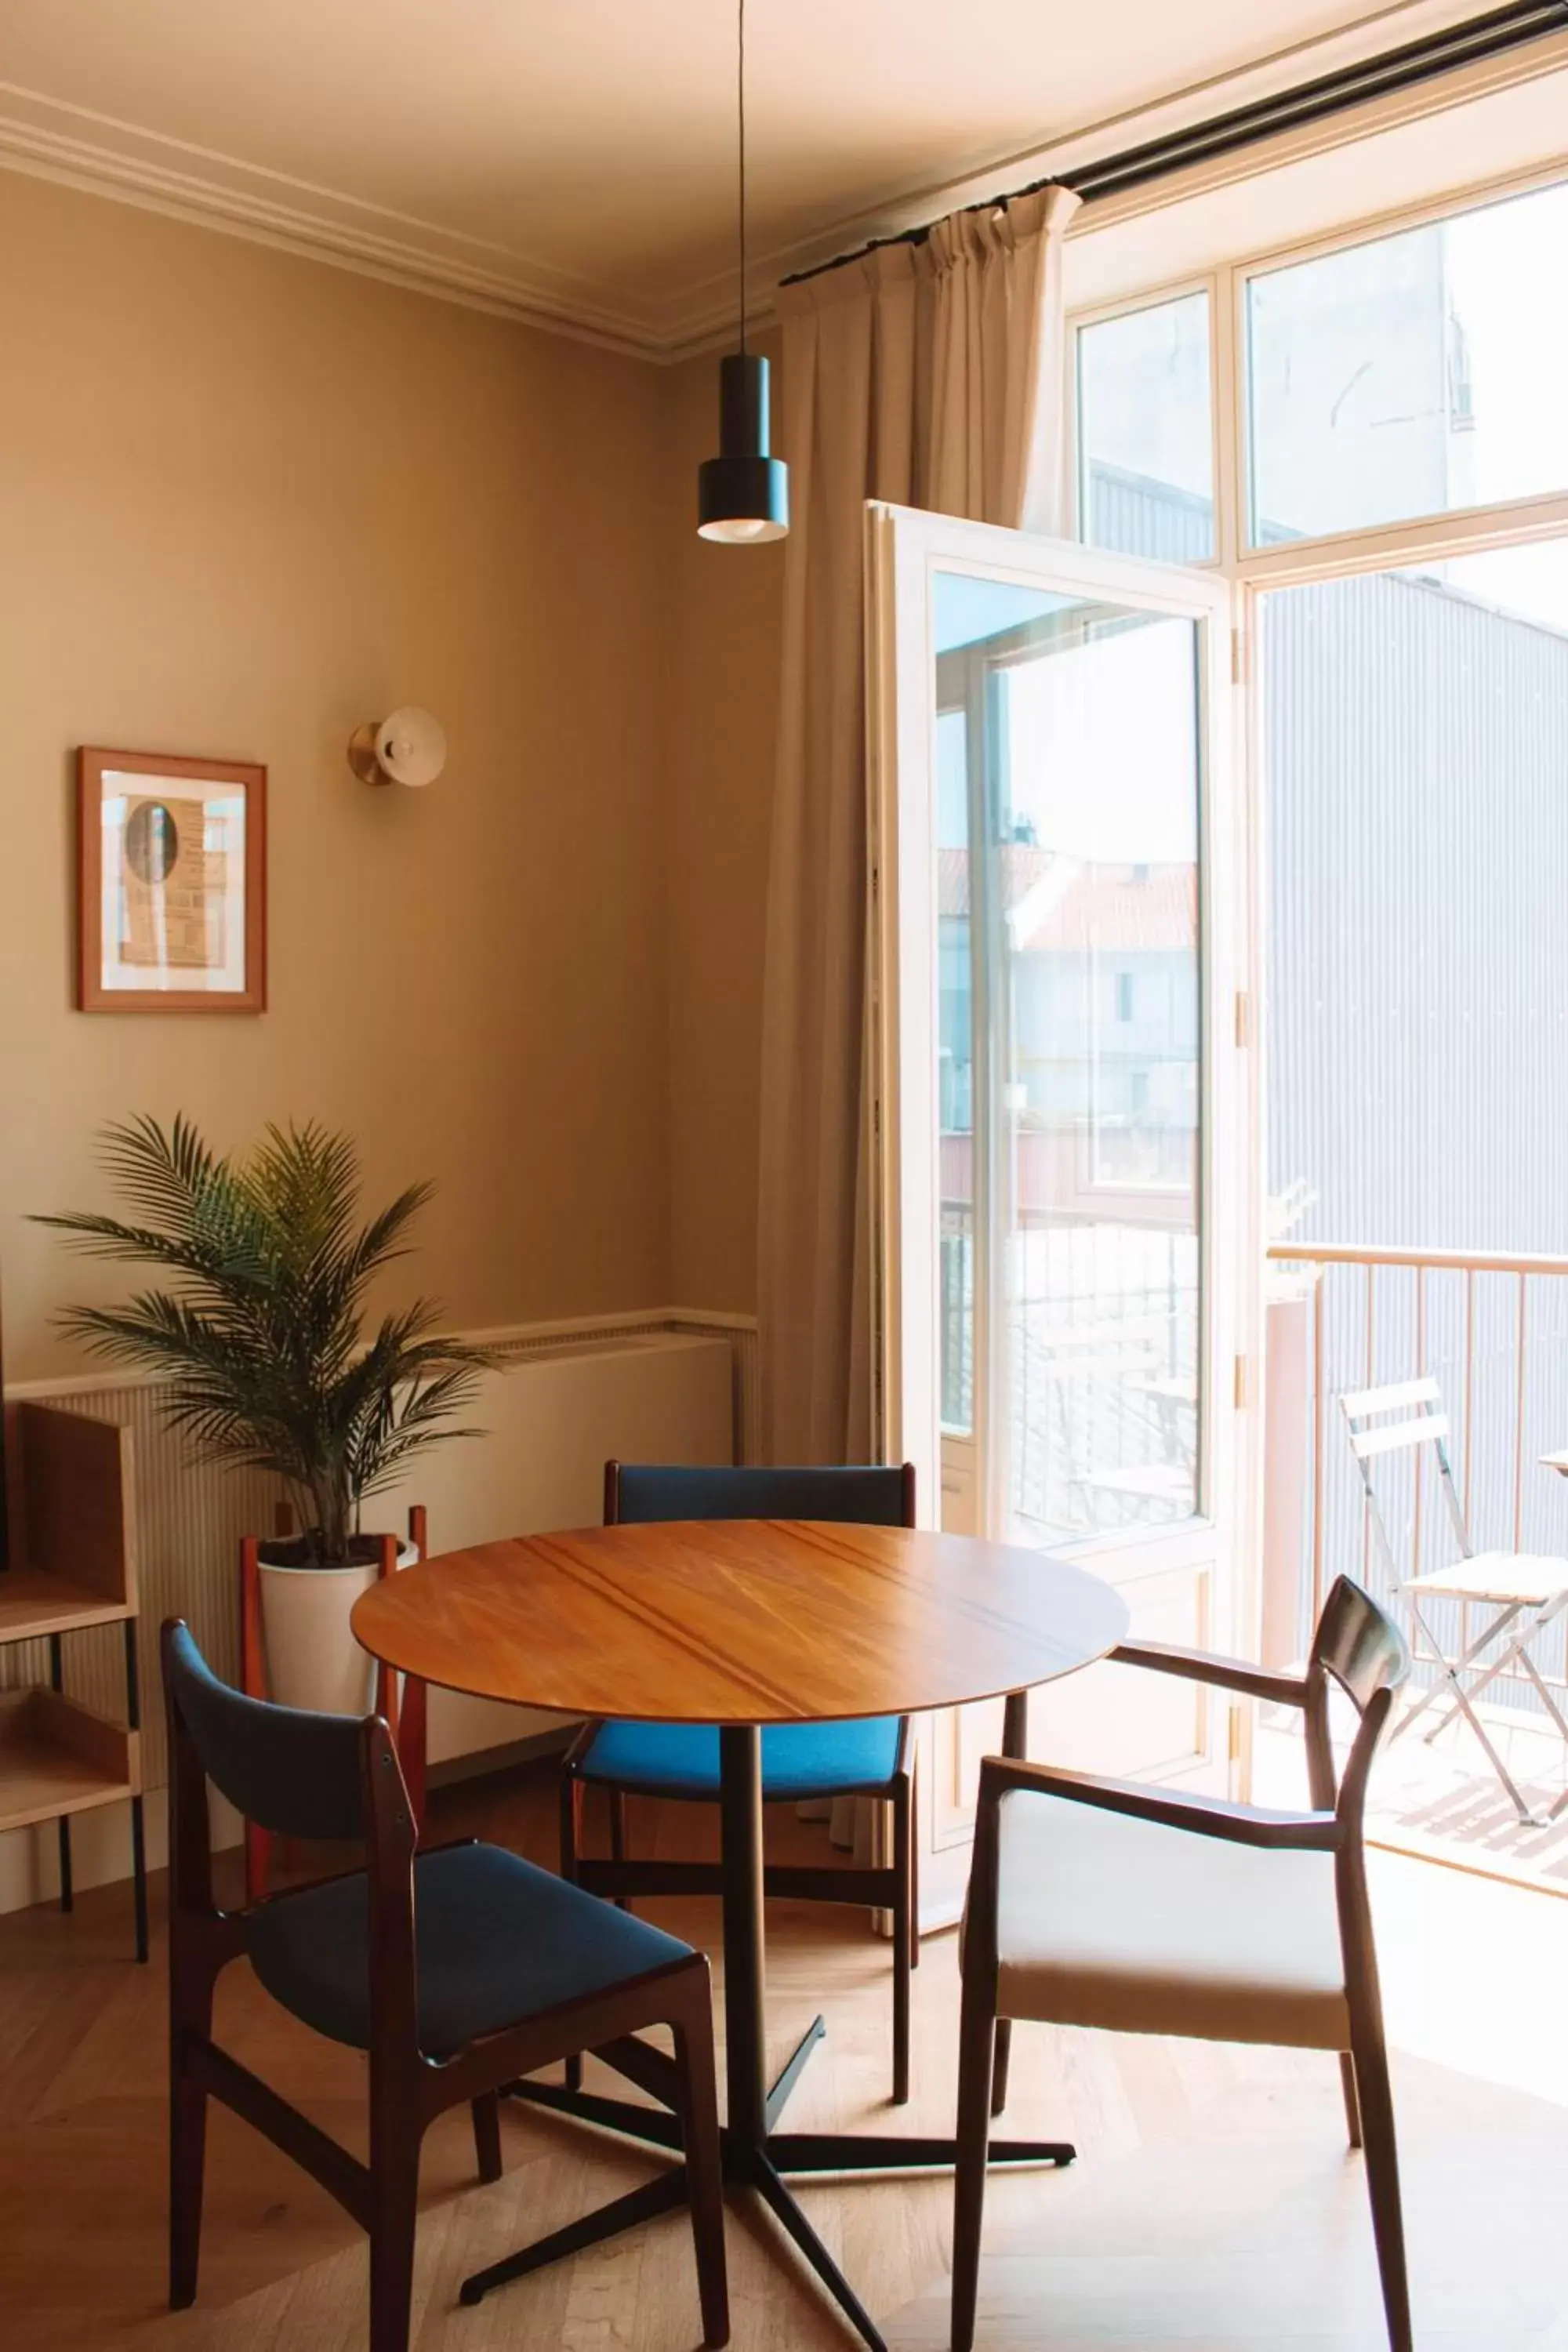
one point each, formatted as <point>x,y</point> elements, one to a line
<point>1473,1965</point>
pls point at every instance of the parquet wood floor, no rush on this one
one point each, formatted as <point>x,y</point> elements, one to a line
<point>1213,2206</point>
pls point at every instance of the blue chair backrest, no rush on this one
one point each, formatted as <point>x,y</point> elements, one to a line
<point>874,1496</point>
<point>295,1773</point>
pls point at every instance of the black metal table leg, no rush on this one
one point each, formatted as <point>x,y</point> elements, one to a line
<point>741,1845</point>
<point>756,2156</point>
<point>639,2205</point>
<point>654,2125</point>
<point>792,2070</point>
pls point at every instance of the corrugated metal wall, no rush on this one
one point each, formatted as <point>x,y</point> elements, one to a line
<point>1416,793</point>
<point>1417,800</point>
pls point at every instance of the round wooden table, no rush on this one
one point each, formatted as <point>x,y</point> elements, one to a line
<point>741,1622</point>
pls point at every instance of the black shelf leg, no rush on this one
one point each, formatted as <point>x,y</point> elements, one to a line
<point>63,1826</point>
<point>138,1823</point>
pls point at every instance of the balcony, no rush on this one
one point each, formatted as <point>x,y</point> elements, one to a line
<point>1492,1330</point>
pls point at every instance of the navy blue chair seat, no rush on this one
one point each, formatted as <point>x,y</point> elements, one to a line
<point>799,1759</point>
<point>496,1940</point>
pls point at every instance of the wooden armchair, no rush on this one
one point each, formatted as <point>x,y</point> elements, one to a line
<point>1115,1904</point>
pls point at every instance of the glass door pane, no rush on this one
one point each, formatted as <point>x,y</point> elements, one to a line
<point>1072,1095</point>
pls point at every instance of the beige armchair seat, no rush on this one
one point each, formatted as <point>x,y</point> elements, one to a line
<point>1103,1920</point>
<point>1142,1910</point>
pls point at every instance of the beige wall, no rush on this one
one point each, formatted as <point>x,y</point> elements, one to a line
<point>722,621</point>
<point>246,501</point>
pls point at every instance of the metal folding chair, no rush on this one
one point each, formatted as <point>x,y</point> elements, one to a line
<point>1526,1593</point>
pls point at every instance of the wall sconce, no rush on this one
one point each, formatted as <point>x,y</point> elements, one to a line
<point>409,747</point>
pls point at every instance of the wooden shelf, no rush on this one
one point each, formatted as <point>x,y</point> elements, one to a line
<point>57,1759</point>
<point>33,1603</point>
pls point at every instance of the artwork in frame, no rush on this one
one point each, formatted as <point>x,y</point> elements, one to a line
<point>171,884</point>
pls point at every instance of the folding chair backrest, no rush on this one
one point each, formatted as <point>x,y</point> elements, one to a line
<point>295,1773</point>
<point>1418,1420</point>
<point>876,1496</point>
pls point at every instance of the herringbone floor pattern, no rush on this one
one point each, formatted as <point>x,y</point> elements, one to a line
<point>1214,2207</point>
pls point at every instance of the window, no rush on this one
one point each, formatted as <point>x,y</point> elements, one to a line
<point>1410,374</point>
<point>1403,706</point>
<point>1146,432</point>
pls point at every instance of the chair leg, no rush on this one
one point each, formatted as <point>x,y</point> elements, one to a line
<point>1377,2104</point>
<point>571,1847</point>
<point>570,1826</point>
<point>487,2134</point>
<point>187,2163</point>
<point>704,2168</point>
<point>979,2034</point>
<point>1351,2098</point>
<point>393,2213</point>
<point>1002,2058</point>
<point>618,1837</point>
<point>914,1871</point>
<point>903,1919</point>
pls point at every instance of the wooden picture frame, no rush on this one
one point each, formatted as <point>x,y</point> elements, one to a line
<point>170,883</point>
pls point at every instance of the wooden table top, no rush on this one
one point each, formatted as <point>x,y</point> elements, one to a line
<point>739,1621</point>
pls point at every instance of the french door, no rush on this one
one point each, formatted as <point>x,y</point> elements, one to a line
<point>1066,1198</point>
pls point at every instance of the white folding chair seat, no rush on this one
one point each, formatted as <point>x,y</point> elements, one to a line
<point>1525,1592</point>
<point>1531,1579</point>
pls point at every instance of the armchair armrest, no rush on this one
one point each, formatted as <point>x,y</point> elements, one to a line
<point>1209,1816</point>
<point>1204,1666</point>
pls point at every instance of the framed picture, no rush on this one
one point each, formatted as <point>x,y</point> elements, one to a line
<point>171,884</point>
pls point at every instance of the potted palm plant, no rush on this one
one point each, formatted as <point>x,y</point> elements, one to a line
<point>263,1361</point>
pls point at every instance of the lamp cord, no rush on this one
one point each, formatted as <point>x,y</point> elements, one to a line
<point>740,111</point>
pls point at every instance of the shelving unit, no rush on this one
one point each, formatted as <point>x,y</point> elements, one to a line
<point>68,1562</point>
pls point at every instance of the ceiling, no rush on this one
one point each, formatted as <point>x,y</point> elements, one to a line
<point>574,160</point>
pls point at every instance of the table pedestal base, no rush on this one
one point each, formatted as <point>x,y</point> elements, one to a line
<point>756,2161</point>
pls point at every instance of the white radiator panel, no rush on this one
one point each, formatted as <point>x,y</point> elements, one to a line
<point>553,1422</point>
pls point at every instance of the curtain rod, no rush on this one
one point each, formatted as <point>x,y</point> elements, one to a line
<point>1436,54</point>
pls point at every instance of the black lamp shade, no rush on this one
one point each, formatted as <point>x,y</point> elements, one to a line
<point>742,494</point>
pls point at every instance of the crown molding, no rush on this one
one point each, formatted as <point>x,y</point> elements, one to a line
<point>104,156</point>
<point>96,153</point>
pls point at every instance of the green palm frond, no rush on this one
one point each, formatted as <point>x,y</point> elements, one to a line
<point>258,1346</point>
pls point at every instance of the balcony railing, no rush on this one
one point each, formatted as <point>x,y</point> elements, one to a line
<point>1491,1327</point>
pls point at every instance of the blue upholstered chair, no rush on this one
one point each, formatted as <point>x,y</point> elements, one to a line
<point>873,1757</point>
<point>457,1969</point>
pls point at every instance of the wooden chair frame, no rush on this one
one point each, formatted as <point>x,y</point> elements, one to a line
<point>404,1713</point>
<point>1358,1648</point>
<point>409,2088</point>
<point>892,1887</point>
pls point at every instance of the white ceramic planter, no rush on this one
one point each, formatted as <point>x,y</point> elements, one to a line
<point>312,1659</point>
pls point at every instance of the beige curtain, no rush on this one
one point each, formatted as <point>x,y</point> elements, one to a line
<point>929,375</point>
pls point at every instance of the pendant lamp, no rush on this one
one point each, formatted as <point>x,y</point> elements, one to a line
<point>742,494</point>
